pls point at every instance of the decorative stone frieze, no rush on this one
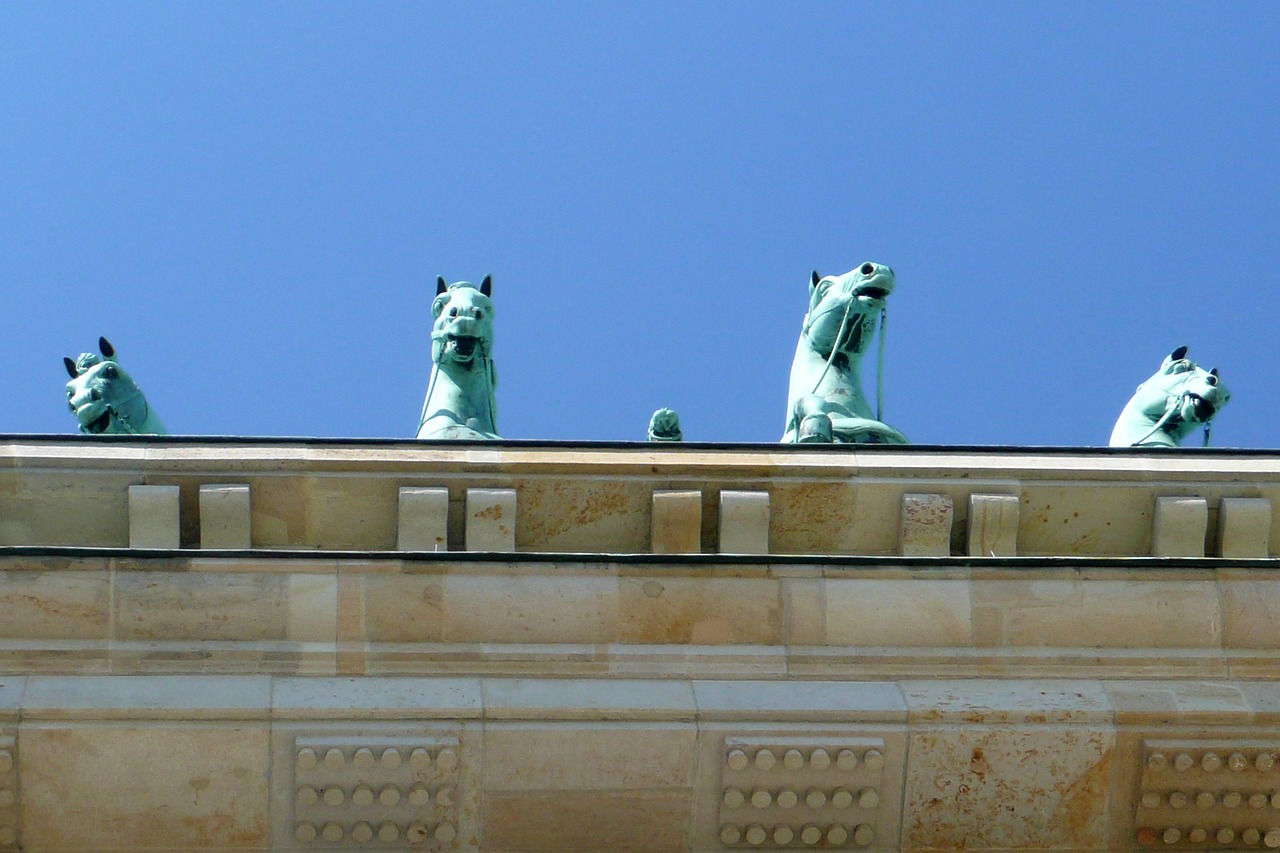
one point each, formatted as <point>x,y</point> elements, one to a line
<point>358,792</point>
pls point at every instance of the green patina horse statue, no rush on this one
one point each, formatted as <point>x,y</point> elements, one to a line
<point>1179,398</point>
<point>460,403</point>
<point>105,399</point>
<point>825,400</point>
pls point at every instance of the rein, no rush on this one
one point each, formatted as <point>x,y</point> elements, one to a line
<point>1172,415</point>
<point>884,320</point>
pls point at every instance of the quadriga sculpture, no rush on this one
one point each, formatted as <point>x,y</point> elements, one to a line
<point>460,401</point>
<point>825,402</point>
<point>665,426</point>
<point>1178,399</point>
<point>105,399</point>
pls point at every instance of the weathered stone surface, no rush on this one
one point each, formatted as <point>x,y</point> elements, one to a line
<point>491,520</point>
<point>925,526</point>
<point>744,522</point>
<point>1244,527</point>
<point>993,525</point>
<point>225,517</point>
<point>423,522</point>
<point>676,526</point>
<point>153,517</point>
<point>1180,527</point>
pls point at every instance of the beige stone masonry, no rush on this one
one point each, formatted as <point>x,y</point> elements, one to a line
<point>491,520</point>
<point>1180,527</point>
<point>154,517</point>
<point>924,527</point>
<point>423,519</point>
<point>993,525</point>
<point>1244,527</point>
<point>676,526</point>
<point>225,518</point>
<point>744,522</point>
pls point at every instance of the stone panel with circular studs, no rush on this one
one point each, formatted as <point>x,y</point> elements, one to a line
<point>369,792</point>
<point>780,792</point>
<point>8,794</point>
<point>1209,795</point>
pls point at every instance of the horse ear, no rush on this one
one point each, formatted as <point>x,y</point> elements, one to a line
<point>814,279</point>
<point>486,286</point>
<point>1179,354</point>
<point>71,367</point>
<point>441,285</point>
<point>105,347</point>
<point>1213,372</point>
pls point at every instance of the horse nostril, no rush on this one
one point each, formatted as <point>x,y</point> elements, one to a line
<point>95,394</point>
<point>868,268</point>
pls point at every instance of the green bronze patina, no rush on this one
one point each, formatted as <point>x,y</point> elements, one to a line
<point>825,401</point>
<point>105,399</point>
<point>665,426</point>
<point>460,402</point>
<point>1177,400</point>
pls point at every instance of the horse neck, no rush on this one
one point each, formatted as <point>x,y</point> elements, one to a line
<point>139,415</point>
<point>466,387</point>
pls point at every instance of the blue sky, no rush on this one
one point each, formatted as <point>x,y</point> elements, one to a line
<point>253,200</point>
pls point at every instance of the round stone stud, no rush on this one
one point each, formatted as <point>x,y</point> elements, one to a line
<point>1177,799</point>
<point>811,834</point>
<point>873,759</point>
<point>362,796</point>
<point>363,758</point>
<point>447,760</point>
<point>734,798</point>
<point>1211,762</point>
<point>863,834</point>
<point>1250,836</point>
<point>332,832</point>
<point>1272,838</point>
<point>1231,799</point>
<point>389,796</point>
<point>334,796</point>
<point>782,835</point>
<point>1265,761</point>
<point>445,796</point>
<point>1275,800</point>
<point>841,798</point>
<point>815,799</point>
<point>445,833</point>
<point>1204,800</point>
<point>420,759</point>
<point>736,760</point>
<point>1258,801</point>
<point>869,798</point>
<point>334,759</point>
<point>787,799</point>
<point>1150,799</point>
<point>6,761</point>
<point>756,834</point>
<point>307,759</point>
<point>1237,762</point>
<point>761,799</point>
<point>388,832</point>
<point>837,835</point>
<point>730,834</point>
<point>419,795</point>
<point>1183,762</point>
<point>417,833</point>
<point>793,759</point>
<point>1147,836</point>
<point>1225,835</point>
<point>1197,835</point>
<point>846,759</point>
<point>1157,761</point>
<point>820,759</point>
<point>305,832</point>
<point>1172,835</point>
<point>307,796</point>
<point>765,759</point>
<point>391,758</point>
<point>362,832</point>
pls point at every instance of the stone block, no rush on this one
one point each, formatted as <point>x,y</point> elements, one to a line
<point>911,612</point>
<point>744,522</point>
<point>925,526</point>
<point>1244,527</point>
<point>154,517</point>
<point>1180,527</point>
<point>550,757</point>
<point>993,525</point>
<point>700,610</point>
<point>423,519</point>
<point>587,821</point>
<point>225,517</point>
<point>491,520</point>
<point>676,526</point>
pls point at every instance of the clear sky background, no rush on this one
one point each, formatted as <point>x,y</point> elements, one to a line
<point>253,200</point>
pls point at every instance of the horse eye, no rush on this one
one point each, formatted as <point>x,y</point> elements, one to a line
<point>479,314</point>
